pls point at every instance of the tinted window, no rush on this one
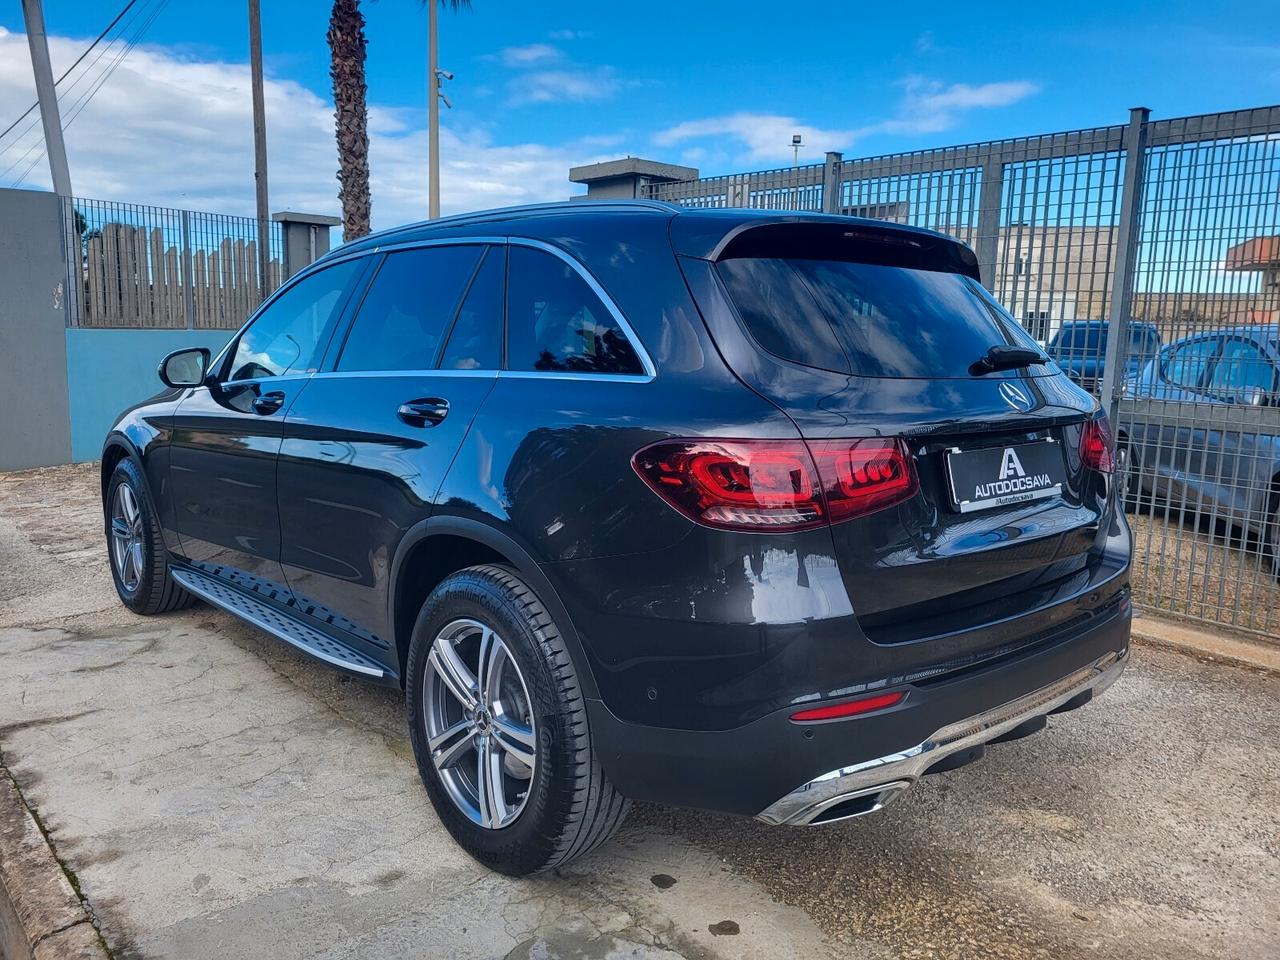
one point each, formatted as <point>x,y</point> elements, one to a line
<point>284,337</point>
<point>867,319</point>
<point>555,321</point>
<point>1186,364</point>
<point>408,308</point>
<point>475,343</point>
<point>1241,366</point>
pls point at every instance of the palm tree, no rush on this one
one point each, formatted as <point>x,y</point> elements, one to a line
<point>347,50</point>
<point>347,46</point>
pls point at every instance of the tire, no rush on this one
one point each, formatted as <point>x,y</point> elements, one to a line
<point>135,547</point>
<point>1128,476</point>
<point>1273,533</point>
<point>556,803</point>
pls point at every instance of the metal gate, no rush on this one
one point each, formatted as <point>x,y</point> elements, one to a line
<point>1146,258</point>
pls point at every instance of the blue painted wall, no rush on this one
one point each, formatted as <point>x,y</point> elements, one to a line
<point>108,370</point>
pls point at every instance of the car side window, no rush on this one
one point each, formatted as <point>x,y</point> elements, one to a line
<point>1185,365</point>
<point>475,342</point>
<point>407,309</point>
<point>284,338</point>
<point>1240,367</point>
<point>555,321</point>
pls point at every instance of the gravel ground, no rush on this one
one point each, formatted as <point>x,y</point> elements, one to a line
<point>1184,568</point>
<point>1146,825</point>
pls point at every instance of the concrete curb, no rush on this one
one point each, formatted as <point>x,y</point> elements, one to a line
<point>1202,644</point>
<point>41,915</point>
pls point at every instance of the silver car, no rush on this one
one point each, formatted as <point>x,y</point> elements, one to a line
<point>1177,445</point>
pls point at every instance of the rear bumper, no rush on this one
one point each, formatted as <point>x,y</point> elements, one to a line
<point>785,772</point>
<point>881,779</point>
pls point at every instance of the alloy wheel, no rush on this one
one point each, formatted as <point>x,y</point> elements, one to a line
<point>479,723</point>
<point>126,537</point>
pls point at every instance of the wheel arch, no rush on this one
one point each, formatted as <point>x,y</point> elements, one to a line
<point>439,546</point>
<point>116,448</point>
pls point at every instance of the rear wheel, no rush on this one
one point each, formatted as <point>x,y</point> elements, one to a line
<point>1128,472</point>
<point>499,727</point>
<point>1273,533</point>
<point>135,546</point>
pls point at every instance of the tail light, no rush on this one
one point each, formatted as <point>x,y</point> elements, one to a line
<point>862,476</point>
<point>777,485</point>
<point>1096,445</point>
<point>850,708</point>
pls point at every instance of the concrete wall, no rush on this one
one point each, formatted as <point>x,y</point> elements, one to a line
<point>109,370</point>
<point>34,419</point>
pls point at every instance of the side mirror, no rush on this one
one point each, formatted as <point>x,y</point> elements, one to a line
<point>185,368</point>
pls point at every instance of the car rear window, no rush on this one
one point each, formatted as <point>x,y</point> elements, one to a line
<point>1077,339</point>
<point>870,320</point>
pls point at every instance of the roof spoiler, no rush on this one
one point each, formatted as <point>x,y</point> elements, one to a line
<point>849,239</point>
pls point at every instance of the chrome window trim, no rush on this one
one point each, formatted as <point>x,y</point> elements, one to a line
<point>650,371</point>
<point>429,372</point>
<point>574,375</point>
<point>497,374</point>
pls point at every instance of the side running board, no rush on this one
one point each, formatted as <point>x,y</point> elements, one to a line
<point>277,623</point>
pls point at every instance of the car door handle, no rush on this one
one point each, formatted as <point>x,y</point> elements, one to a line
<point>268,403</point>
<point>426,412</point>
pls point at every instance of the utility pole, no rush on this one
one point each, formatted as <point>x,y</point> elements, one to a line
<point>38,41</point>
<point>433,107</point>
<point>259,145</point>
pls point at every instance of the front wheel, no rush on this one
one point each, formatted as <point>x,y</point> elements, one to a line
<point>499,727</point>
<point>135,546</point>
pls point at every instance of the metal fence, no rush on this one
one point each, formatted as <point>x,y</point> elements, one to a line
<point>157,267</point>
<point>1145,256</point>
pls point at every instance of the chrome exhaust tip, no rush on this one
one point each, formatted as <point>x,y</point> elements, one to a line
<point>846,806</point>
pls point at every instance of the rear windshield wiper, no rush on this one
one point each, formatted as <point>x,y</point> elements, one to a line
<point>1006,358</point>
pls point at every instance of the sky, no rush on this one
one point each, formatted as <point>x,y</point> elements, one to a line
<point>721,86</point>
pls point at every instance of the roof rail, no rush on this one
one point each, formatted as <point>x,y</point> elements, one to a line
<point>506,213</point>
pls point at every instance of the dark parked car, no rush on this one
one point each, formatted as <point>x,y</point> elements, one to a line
<point>1080,348</point>
<point>762,513</point>
<point>1221,462</point>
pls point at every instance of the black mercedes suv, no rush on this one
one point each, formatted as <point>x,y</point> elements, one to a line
<point>756,512</point>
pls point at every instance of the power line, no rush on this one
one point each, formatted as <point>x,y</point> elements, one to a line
<point>87,50</point>
<point>83,101</point>
<point>66,93</point>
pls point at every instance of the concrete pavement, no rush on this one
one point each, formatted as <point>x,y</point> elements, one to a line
<point>211,794</point>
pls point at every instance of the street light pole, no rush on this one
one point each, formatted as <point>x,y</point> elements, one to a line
<point>46,94</point>
<point>433,108</point>
<point>259,145</point>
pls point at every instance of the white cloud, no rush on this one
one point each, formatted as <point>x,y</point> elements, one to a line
<point>562,86</point>
<point>176,131</point>
<point>927,106</point>
<point>533,53</point>
<point>568,34</point>
<point>766,137</point>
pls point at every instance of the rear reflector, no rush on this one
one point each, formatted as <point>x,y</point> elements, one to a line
<point>1096,445</point>
<point>777,485</point>
<point>850,708</point>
